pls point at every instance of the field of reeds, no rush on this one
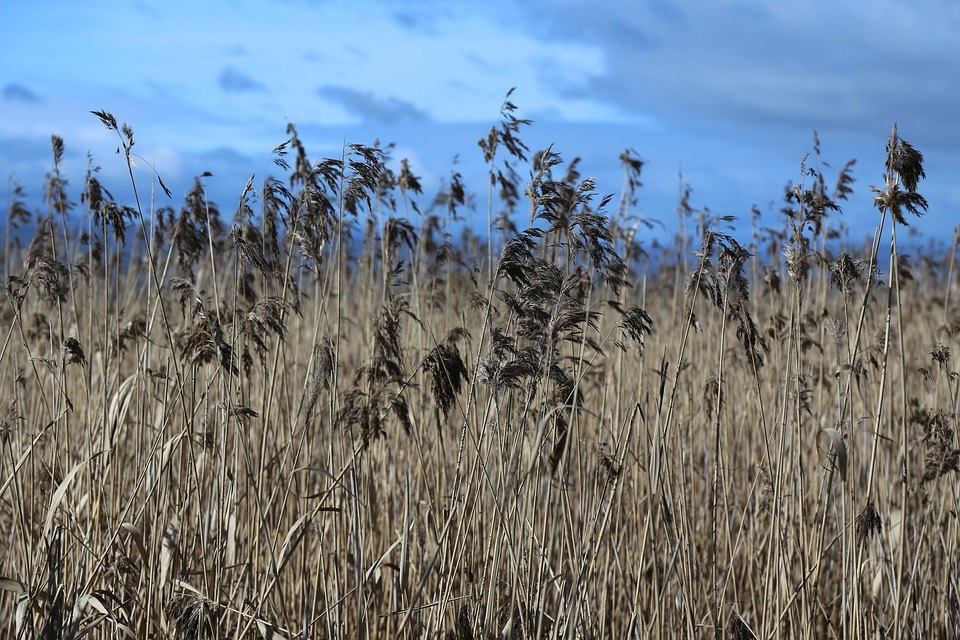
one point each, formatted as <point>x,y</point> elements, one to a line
<point>336,410</point>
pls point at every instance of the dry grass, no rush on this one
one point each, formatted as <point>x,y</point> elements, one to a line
<point>327,423</point>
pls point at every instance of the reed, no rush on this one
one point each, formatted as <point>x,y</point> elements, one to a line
<point>342,414</point>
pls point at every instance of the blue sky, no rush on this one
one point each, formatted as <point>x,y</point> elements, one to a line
<point>728,90</point>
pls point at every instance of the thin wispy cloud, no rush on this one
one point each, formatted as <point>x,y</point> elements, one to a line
<point>19,93</point>
<point>232,79</point>
<point>370,108</point>
<point>409,19</point>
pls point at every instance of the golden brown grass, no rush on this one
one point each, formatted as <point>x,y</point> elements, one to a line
<point>285,431</point>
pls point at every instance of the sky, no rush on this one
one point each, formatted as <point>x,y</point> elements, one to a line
<point>726,92</point>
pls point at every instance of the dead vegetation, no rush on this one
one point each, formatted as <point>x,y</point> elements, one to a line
<point>340,414</point>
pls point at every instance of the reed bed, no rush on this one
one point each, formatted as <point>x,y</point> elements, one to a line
<point>333,411</point>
